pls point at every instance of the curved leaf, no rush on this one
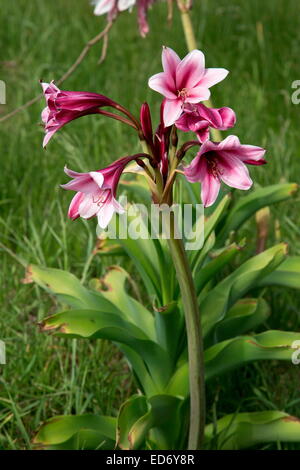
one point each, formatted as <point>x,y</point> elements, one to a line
<point>161,414</point>
<point>248,205</point>
<point>286,275</point>
<point>112,288</point>
<point>67,288</point>
<point>238,351</point>
<point>217,302</point>
<point>206,273</point>
<point>242,430</point>
<point>95,324</point>
<point>77,432</point>
<point>244,316</point>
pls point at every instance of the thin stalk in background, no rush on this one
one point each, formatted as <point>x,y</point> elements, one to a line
<point>191,42</point>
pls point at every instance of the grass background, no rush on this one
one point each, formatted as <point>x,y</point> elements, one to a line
<point>259,42</point>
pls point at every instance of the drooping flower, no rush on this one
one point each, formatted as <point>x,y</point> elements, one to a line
<point>223,161</point>
<point>65,106</point>
<point>184,81</point>
<point>143,7</point>
<point>199,118</point>
<point>96,192</point>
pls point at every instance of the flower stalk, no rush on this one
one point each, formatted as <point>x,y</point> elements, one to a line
<point>194,337</point>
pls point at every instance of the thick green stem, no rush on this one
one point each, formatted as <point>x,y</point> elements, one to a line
<point>192,44</point>
<point>194,337</point>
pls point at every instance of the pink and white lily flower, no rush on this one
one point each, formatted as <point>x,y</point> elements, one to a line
<point>199,118</point>
<point>223,161</point>
<point>65,106</point>
<point>96,192</point>
<point>105,6</point>
<point>184,81</point>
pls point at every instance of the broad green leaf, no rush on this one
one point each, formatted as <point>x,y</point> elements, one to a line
<point>112,288</point>
<point>143,253</point>
<point>179,382</point>
<point>161,414</point>
<point>248,205</point>
<point>244,316</point>
<point>67,288</point>
<point>207,272</point>
<point>77,432</point>
<point>286,275</point>
<point>96,324</point>
<point>209,226</point>
<point>218,301</point>
<point>238,351</point>
<point>134,412</point>
<point>243,430</point>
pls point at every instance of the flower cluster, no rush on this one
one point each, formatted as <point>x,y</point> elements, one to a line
<point>113,7</point>
<point>184,85</point>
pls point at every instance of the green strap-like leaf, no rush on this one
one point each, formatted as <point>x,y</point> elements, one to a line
<point>242,430</point>
<point>68,288</point>
<point>77,432</point>
<point>161,414</point>
<point>243,317</point>
<point>286,275</point>
<point>95,324</point>
<point>217,302</point>
<point>248,205</point>
<point>207,272</point>
<point>112,288</point>
<point>238,351</point>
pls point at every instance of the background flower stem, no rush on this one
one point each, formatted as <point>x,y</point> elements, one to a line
<point>191,42</point>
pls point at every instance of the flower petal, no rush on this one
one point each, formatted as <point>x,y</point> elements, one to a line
<point>190,70</point>
<point>210,187</point>
<point>103,6</point>
<point>163,83</point>
<point>170,60</point>
<point>213,76</point>
<point>87,208</point>
<point>228,117</point>
<point>105,214</point>
<point>125,4</point>
<point>172,111</point>
<point>198,93</point>
<point>233,172</point>
<point>97,177</point>
<point>74,205</point>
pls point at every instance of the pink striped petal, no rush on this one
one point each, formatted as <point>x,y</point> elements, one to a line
<point>74,206</point>
<point>190,70</point>
<point>210,187</point>
<point>163,83</point>
<point>105,214</point>
<point>213,76</point>
<point>198,93</point>
<point>228,117</point>
<point>170,60</point>
<point>233,172</point>
<point>172,111</point>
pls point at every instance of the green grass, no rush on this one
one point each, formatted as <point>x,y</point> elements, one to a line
<point>259,43</point>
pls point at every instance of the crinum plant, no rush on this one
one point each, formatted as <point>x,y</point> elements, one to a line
<point>197,328</point>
